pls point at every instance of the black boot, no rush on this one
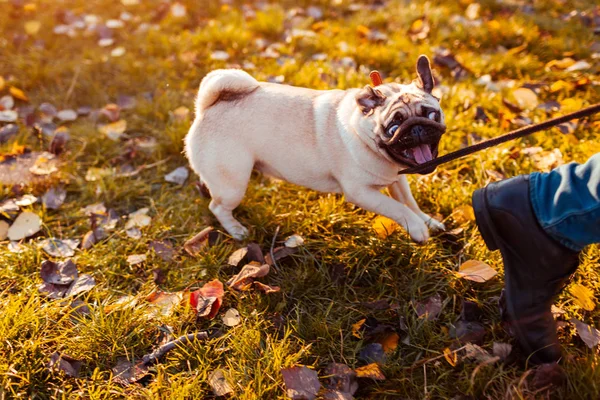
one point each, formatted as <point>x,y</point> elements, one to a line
<point>536,267</point>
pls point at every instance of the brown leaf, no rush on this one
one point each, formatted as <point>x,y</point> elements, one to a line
<point>301,382</point>
<point>164,302</point>
<point>158,276</point>
<point>279,253</point>
<point>502,350</point>
<point>111,111</point>
<point>54,198</point>
<point>162,249</point>
<point>62,273</point>
<point>244,278</point>
<point>208,299</point>
<point>389,342</point>
<point>342,379</point>
<point>92,237</point>
<point>445,58</point>
<point>430,309</point>
<point>255,254</point>
<point>266,288</point>
<point>63,362</point>
<point>237,256</point>
<point>194,245</point>
<point>476,271</point>
<point>218,383</point>
<point>371,371</point>
<point>127,372</point>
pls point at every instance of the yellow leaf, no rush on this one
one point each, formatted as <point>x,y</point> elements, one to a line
<point>2,83</point>
<point>493,25</point>
<point>476,271</point>
<point>384,226</point>
<point>356,327</point>
<point>32,27</point>
<point>417,25</point>
<point>363,30</point>
<point>526,98</point>
<point>370,371</point>
<point>389,342</point>
<point>450,356</point>
<point>18,93</point>
<point>30,7</point>
<point>561,85</point>
<point>463,214</point>
<point>114,130</point>
<point>583,296</point>
<point>561,64</point>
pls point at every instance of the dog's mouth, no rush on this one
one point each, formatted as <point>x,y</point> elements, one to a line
<point>415,142</point>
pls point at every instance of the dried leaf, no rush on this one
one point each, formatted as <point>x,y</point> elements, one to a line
<point>478,354</point>
<point>164,302</point>
<point>82,284</point>
<point>27,224</point>
<point>218,383</point>
<point>341,379</point>
<point>583,296</point>
<point>18,93</point>
<point>58,247</point>
<point>450,356</point>
<point>237,256</point>
<point>476,271</point>
<point>194,245</point>
<point>139,219</point>
<point>389,342</point>
<point>114,130</point>
<point>245,277</point>
<point>231,317</point>
<point>266,288</point>
<point>111,111</point>
<point>502,350</point>
<point>178,175</point>
<point>384,226</point>
<point>54,198</point>
<point>135,259</point>
<point>162,249</point>
<point>372,352</point>
<point>67,115</point>
<point>62,273</point>
<point>62,362</point>
<point>3,229</point>
<point>207,300</point>
<point>356,328</point>
<point>301,383</point>
<point>127,372</point>
<point>525,98</point>
<point>92,237</point>
<point>589,334</point>
<point>280,253</point>
<point>430,309</point>
<point>463,214</point>
<point>371,371</point>
<point>294,241</point>
<point>547,375</point>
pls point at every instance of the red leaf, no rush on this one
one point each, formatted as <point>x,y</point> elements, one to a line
<point>206,294</point>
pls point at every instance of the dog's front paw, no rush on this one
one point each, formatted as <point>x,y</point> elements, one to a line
<point>434,224</point>
<point>418,231</point>
<point>238,232</point>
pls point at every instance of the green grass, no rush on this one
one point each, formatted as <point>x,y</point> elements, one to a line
<point>310,321</point>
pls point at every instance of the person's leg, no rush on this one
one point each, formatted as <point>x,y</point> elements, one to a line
<point>566,202</point>
<point>539,223</point>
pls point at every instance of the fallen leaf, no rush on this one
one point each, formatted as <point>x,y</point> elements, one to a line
<point>194,245</point>
<point>547,375</point>
<point>27,224</point>
<point>525,98</point>
<point>560,64</point>
<point>7,132</point>
<point>114,130</point>
<point>127,372</point>
<point>583,296</point>
<point>218,383</point>
<point>126,102</point>
<point>589,334</point>
<point>389,342</point>
<point>207,300</point>
<point>371,371</point>
<point>579,66</point>
<point>231,317</point>
<point>59,247</point>
<point>164,302</point>
<point>476,271</point>
<point>7,102</point>
<point>54,198</point>
<point>138,218</point>
<point>342,379</point>
<point>18,93</point>
<point>8,116</point>
<point>181,114</point>
<point>3,229</point>
<point>419,29</point>
<point>44,164</point>
<point>478,354</point>
<point>178,176</point>
<point>62,362</point>
<point>384,226</point>
<point>133,233</point>
<point>463,214</point>
<point>301,383</point>
<point>468,331</point>
<point>372,352</point>
<point>431,308</point>
<point>356,328</point>
<point>92,237</point>
<point>162,249</point>
<point>62,273</point>
<point>237,256</point>
<point>96,208</point>
<point>67,115</point>
<point>82,284</point>
<point>135,259</point>
<point>502,350</point>
<point>26,200</point>
<point>450,356</point>
<point>255,253</point>
<point>279,253</point>
<point>111,111</point>
<point>266,288</point>
<point>294,241</point>
<point>243,279</point>
<point>445,58</point>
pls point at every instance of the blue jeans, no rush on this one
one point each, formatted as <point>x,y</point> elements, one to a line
<point>566,202</point>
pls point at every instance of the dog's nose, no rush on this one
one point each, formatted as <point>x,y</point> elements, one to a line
<point>418,133</point>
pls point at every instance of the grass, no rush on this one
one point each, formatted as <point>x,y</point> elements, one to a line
<point>310,321</point>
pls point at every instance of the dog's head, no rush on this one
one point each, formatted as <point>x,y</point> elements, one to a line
<point>405,122</point>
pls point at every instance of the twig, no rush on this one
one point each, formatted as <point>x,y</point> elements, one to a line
<point>271,250</point>
<point>165,348</point>
<point>427,360</point>
<point>142,168</point>
<point>72,85</point>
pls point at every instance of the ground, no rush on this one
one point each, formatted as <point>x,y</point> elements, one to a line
<point>149,57</point>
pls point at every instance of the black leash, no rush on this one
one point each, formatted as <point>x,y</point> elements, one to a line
<point>527,130</point>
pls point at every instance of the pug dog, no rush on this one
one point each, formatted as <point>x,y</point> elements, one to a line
<point>342,141</point>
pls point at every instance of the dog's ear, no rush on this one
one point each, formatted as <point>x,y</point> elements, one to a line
<point>425,80</point>
<point>369,98</point>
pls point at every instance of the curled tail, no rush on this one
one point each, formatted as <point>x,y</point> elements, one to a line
<point>223,84</point>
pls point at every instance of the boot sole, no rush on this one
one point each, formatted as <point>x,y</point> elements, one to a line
<point>491,239</point>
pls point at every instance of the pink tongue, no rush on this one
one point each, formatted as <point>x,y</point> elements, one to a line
<point>422,153</point>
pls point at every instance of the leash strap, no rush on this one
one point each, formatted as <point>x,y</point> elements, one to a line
<point>521,132</point>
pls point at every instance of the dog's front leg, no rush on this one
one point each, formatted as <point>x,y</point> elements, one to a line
<point>400,190</point>
<point>373,200</point>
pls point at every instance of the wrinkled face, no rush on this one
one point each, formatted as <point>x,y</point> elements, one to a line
<point>406,121</point>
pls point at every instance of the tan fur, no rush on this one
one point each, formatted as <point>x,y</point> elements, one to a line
<point>317,139</point>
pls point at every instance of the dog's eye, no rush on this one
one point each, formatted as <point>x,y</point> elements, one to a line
<point>391,131</point>
<point>433,116</point>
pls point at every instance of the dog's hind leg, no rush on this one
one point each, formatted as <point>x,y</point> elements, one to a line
<point>227,188</point>
<point>400,191</point>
